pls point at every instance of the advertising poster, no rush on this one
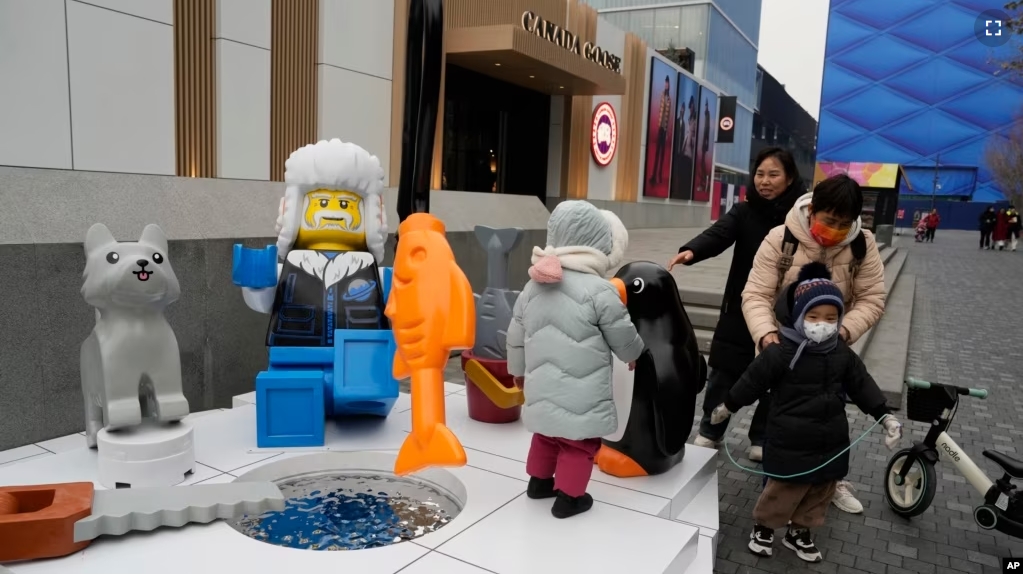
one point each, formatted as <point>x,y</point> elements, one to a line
<point>723,197</point>
<point>707,112</point>
<point>683,164</point>
<point>717,203</point>
<point>663,83</point>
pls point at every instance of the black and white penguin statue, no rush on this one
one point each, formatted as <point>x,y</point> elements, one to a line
<point>654,426</point>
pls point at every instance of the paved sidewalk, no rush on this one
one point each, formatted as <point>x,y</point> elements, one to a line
<point>966,331</point>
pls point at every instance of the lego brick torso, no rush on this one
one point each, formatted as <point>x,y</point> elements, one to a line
<point>319,292</point>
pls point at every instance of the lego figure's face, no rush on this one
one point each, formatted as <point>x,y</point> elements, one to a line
<point>332,220</point>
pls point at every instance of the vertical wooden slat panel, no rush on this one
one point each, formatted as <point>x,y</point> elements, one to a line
<point>576,131</point>
<point>438,139</point>
<point>195,83</point>
<point>398,86</point>
<point>579,167</point>
<point>566,146</point>
<point>293,79</point>
<point>630,125</point>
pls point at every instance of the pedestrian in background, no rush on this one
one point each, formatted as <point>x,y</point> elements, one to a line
<point>988,219</point>
<point>1001,233</point>
<point>1015,226</point>
<point>933,219</point>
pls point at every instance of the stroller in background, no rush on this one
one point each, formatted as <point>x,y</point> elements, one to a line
<point>921,230</point>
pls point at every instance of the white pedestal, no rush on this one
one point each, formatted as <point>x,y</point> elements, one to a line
<point>151,455</point>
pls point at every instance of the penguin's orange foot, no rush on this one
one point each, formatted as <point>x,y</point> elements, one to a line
<point>616,463</point>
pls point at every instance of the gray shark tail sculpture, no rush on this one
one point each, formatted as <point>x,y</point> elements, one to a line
<point>494,306</point>
<point>492,394</point>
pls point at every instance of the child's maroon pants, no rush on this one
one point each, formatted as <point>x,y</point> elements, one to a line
<point>568,461</point>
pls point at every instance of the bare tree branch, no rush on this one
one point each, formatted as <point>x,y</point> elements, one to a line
<point>1004,157</point>
<point>1015,27</point>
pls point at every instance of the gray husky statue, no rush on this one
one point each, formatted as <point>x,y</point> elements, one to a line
<point>131,366</point>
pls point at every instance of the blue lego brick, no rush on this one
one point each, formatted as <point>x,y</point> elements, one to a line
<point>363,363</point>
<point>385,282</point>
<point>289,408</point>
<point>282,357</point>
<point>254,268</point>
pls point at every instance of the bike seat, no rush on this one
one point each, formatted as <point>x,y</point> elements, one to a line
<point>1013,467</point>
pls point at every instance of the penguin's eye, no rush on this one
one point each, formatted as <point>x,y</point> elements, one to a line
<point>637,285</point>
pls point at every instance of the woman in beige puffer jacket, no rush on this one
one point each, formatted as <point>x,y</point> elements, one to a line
<point>864,293</point>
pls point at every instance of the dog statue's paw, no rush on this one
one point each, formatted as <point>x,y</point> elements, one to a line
<point>123,413</point>
<point>171,407</point>
<point>90,438</point>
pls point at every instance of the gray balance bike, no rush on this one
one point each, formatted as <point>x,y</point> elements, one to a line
<point>910,478</point>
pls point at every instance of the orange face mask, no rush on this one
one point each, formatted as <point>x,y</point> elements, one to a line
<point>826,235</point>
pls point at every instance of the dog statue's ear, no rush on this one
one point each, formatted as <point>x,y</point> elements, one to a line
<point>154,236</point>
<point>98,237</point>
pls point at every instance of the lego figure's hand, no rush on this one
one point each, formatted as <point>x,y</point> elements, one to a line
<point>254,268</point>
<point>256,272</point>
<point>719,414</point>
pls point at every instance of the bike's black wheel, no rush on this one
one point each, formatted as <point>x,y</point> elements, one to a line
<point>915,495</point>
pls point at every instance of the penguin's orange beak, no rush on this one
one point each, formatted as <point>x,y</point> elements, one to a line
<point>620,286</point>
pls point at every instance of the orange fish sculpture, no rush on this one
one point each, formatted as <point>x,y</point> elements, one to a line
<point>432,311</point>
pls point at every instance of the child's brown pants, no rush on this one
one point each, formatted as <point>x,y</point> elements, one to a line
<point>803,504</point>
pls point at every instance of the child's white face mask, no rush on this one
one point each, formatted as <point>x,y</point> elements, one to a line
<point>819,331</point>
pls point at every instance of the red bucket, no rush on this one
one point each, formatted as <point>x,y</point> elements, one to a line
<point>480,406</point>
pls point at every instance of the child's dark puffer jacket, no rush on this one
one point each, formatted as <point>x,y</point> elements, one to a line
<point>807,424</point>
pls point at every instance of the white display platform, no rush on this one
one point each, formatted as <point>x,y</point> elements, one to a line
<point>150,455</point>
<point>629,530</point>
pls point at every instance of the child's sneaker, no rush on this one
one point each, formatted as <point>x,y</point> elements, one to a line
<point>799,541</point>
<point>702,441</point>
<point>844,498</point>
<point>761,541</point>
<point>566,506</point>
<point>540,488</point>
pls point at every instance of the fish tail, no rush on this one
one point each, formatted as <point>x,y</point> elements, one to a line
<point>440,449</point>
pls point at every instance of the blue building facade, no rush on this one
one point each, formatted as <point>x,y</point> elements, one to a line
<point>724,35</point>
<point>911,82</point>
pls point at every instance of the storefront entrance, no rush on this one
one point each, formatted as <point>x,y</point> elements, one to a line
<point>495,135</point>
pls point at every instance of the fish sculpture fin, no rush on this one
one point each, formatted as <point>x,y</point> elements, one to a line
<point>400,370</point>
<point>460,327</point>
<point>441,449</point>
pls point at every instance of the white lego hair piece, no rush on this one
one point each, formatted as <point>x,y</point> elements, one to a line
<point>333,165</point>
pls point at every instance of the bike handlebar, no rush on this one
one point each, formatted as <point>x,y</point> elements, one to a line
<point>970,391</point>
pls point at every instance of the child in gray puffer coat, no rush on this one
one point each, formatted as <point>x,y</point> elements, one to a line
<point>566,323</point>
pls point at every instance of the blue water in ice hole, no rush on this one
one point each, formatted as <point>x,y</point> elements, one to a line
<point>337,512</point>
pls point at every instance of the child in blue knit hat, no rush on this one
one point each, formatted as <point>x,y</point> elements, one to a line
<point>808,375</point>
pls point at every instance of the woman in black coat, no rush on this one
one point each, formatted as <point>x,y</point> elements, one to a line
<point>988,219</point>
<point>776,187</point>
